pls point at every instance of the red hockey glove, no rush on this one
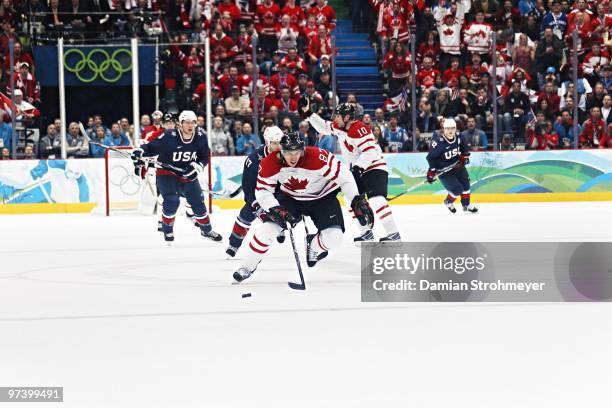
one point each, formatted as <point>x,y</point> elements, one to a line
<point>431,175</point>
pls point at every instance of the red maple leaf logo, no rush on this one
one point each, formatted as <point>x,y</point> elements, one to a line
<point>348,147</point>
<point>448,32</point>
<point>294,184</point>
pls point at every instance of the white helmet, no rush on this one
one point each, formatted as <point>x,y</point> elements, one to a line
<point>188,115</point>
<point>273,134</point>
<point>450,127</point>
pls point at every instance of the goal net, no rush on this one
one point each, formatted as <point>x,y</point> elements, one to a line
<point>124,190</point>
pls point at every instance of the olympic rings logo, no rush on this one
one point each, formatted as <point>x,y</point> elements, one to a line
<point>126,180</point>
<point>99,62</point>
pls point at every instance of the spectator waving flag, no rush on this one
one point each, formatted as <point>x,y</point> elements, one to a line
<point>401,100</point>
<point>23,108</point>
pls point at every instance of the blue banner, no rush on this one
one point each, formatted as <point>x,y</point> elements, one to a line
<point>94,66</point>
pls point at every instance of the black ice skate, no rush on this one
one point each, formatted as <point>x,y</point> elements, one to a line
<point>391,237</point>
<point>212,235</point>
<point>168,233</point>
<point>242,273</point>
<point>231,251</point>
<point>366,236</point>
<point>450,205</point>
<point>470,209</point>
<point>312,256</point>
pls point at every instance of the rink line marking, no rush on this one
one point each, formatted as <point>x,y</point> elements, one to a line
<point>408,306</point>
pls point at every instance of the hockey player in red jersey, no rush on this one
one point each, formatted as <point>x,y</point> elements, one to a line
<point>308,179</point>
<point>362,152</point>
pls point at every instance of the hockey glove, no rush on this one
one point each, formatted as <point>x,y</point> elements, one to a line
<point>304,107</point>
<point>192,171</point>
<point>282,217</point>
<point>259,212</point>
<point>431,175</point>
<point>464,158</point>
<point>357,173</point>
<point>363,212</point>
<point>139,164</point>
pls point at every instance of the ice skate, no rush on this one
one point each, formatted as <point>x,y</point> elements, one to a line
<point>312,256</point>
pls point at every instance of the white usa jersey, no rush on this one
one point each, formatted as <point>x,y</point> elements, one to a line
<point>358,145</point>
<point>317,174</point>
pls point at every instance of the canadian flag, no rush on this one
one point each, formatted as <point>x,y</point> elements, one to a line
<point>23,108</point>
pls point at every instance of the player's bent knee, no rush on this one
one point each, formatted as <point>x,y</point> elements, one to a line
<point>332,237</point>
<point>267,232</point>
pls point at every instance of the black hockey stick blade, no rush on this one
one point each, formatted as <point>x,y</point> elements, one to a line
<point>302,284</point>
<point>235,193</point>
<point>297,286</point>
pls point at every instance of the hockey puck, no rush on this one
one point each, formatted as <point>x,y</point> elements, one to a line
<point>246,295</point>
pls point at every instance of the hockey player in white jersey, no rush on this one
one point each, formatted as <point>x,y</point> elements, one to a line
<point>364,155</point>
<point>309,179</point>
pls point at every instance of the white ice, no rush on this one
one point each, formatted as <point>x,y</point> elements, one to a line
<point>102,307</point>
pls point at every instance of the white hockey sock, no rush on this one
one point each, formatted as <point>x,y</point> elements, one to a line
<point>260,243</point>
<point>362,228</point>
<point>383,213</point>
<point>327,239</point>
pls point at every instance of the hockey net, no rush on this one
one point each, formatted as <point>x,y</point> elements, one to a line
<point>125,192</point>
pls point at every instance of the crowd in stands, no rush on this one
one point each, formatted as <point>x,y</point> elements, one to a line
<point>532,67</point>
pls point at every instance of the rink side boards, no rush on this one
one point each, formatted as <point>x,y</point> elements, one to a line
<point>61,186</point>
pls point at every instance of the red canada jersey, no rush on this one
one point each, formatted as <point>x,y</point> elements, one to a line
<point>266,19</point>
<point>277,81</point>
<point>296,14</point>
<point>152,132</point>
<point>317,174</point>
<point>399,65</point>
<point>223,48</point>
<point>232,9</point>
<point>427,77</point>
<point>324,15</point>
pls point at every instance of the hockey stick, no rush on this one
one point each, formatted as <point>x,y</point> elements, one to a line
<point>146,159</point>
<point>419,184</point>
<point>302,284</point>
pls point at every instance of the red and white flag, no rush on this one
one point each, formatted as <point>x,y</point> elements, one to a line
<point>23,108</point>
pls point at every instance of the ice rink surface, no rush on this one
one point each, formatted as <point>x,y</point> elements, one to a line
<point>102,307</point>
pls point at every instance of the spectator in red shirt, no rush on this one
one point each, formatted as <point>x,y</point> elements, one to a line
<point>394,25</point>
<point>264,103</point>
<point>295,12</point>
<point>230,7</point>
<point>310,30</point>
<point>227,81</point>
<point>222,47</point>
<point>426,76</point>
<point>284,78</point>
<point>324,14</point>
<point>19,57</point>
<point>320,45</point>
<point>266,17</point>
<point>295,64</point>
<point>398,61</point>
<point>429,48</point>
<point>550,95</point>
<point>247,80</point>
<point>593,133</point>
<point>454,72</point>
<point>285,104</point>
<point>26,82</point>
